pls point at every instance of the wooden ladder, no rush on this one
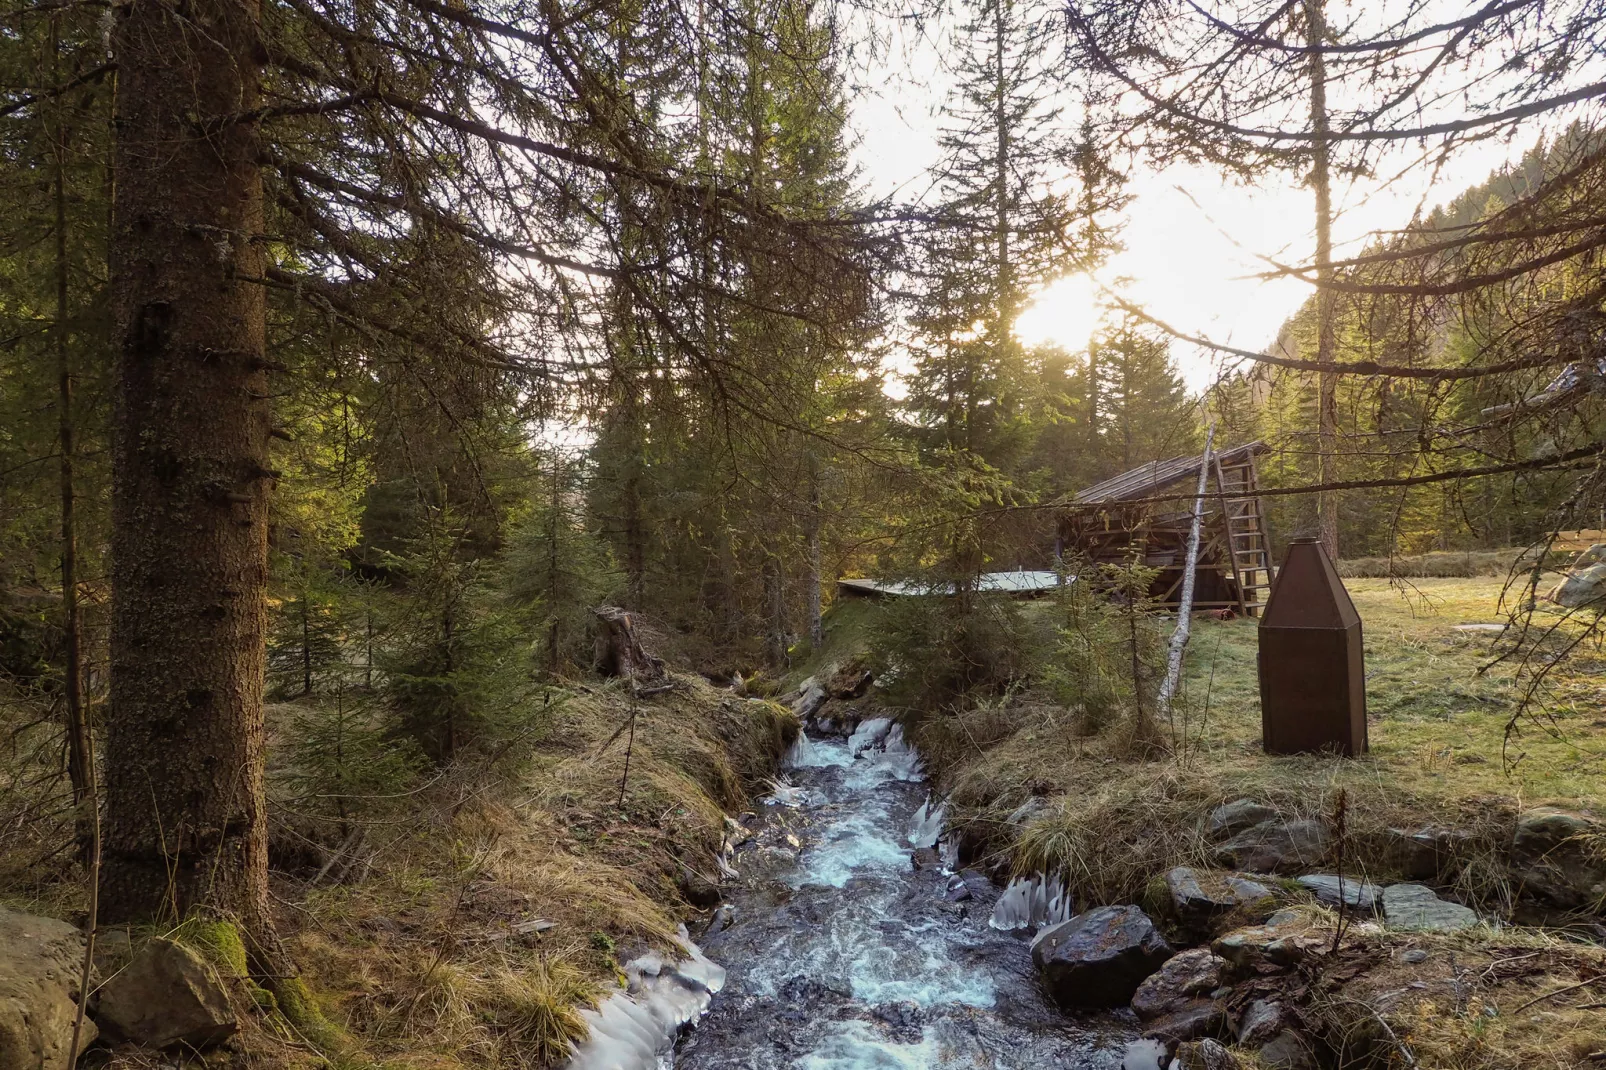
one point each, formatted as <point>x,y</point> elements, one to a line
<point>1236,485</point>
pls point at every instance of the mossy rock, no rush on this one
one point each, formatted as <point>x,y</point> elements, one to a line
<point>220,943</point>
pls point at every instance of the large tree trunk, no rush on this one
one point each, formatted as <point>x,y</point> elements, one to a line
<point>816,620</point>
<point>1326,336</point>
<point>184,806</point>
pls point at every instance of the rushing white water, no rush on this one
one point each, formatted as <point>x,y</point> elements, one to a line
<point>862,956</point>
<point>854,1045</point>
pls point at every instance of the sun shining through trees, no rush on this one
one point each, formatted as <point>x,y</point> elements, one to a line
<point>363,363</point>
<point>1065,313</point>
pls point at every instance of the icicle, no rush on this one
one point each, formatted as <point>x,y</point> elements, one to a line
<point>901,760</point>
<point>634,1026</point>
<point>1032,903</point>
<point>784,794</point>
<point>800,754</point>
<point>928,824</point>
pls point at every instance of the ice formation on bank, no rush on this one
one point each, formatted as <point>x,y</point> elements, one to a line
<point>1031,903</point>
<point>797,755</point>
<point>869,733</point>
<point>929,823</point>
<point>637,1025</point>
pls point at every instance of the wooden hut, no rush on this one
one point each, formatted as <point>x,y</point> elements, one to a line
<point>1111,523</point>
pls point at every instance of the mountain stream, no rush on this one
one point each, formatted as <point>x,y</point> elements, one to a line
<point>849,941</point>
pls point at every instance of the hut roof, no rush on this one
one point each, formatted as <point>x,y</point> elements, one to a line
<point>1156,476</point>
<point>1019,583</point>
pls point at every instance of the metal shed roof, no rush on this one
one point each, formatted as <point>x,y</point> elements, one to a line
<point>1016,583</point>
<point>1156,476</point>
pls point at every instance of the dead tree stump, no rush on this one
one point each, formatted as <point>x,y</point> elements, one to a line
<point>620,653</point>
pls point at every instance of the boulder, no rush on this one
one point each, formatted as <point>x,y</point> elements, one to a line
<point>1275,846</point>
<point>1289,1050</point>
<point>810,697</point>
<point>701,891</point>
<point>1262,1020</point>
<point>1200,896</point>
<point>1023,814</point>
<point>167,995</point>
<point>1099,958</point>
<point>1204,1054</point>
<point>1426,852</point>
<point>1194,1019</point>
<point>850,682</point>
<point>41,962</point>
<point>1229,819</point>
<point>1560,855</point>
<point>1184,977</point>
<point>1270,945</point>
<point>1585,582</point>
<point>1331,889</point>
<point>1411,906</point>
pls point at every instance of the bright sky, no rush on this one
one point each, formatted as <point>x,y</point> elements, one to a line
<point>1190,238</point>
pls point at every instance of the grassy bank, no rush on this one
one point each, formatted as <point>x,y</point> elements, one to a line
<point>1438,710</point>
<point>509,897</point>
<point>461,915</point>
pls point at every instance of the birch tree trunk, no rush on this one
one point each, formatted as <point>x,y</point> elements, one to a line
<point>1179,637</point>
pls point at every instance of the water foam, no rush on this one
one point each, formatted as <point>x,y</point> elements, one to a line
<point>855,1045</point>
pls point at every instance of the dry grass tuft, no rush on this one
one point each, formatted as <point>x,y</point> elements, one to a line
<point>533,1011</point>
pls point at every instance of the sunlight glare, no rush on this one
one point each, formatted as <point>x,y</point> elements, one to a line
<point>1066,312</point>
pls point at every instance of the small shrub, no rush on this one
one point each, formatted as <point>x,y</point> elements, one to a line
<point>932,652</point>
<point>1108,654</point>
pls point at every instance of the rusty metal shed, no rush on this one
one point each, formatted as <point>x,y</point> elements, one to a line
<point>1111,522</point>
<point>1312,659</point>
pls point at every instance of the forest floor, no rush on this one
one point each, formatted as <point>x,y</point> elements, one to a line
<point>507,902</point>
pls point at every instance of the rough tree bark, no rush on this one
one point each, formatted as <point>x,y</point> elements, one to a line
<point>185,825</point>
<point>619,649</point>
<point>775,611</point>
<point>815,521</point>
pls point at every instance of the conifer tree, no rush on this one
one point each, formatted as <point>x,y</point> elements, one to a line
<point>1006,227</point>
<point>1008,224</point>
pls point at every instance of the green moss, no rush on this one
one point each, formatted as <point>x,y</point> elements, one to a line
<point>218,942</point>
<point>1157,897</point>
<point>298,1006</point>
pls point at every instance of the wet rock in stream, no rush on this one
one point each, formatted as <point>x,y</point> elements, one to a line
<point>853,957</point>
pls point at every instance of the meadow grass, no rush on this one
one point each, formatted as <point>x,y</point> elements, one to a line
<point>1439,700</point>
